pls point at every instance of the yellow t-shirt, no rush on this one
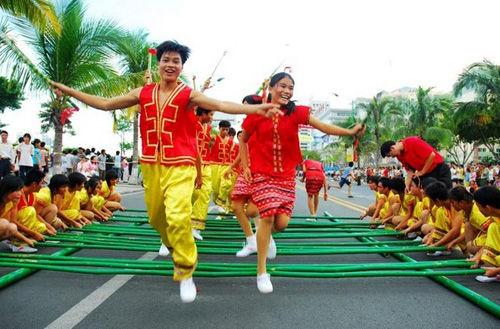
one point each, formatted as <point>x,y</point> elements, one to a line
<point>71,201</point>
<point>44,197</point>
<point>385,207</point>
<point>105,190</point>
<point>408,200</point>
<point>491,249</point>
<point>8,207</point>
<point>83,196</point>
<point>476,218</point>
<point>442,222</point>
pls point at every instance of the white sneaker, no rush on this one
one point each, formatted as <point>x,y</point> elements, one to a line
<point>439,253</point>
<point>163,251</point>
<point>249,248</point>
<point>487,279</point>
<point>264,283</point>
<point>271,252</point>
<point>310,219</point>
<point>197,235</point>
<point>188,290</point>
<point>411,235</point>
<point>22,249</point>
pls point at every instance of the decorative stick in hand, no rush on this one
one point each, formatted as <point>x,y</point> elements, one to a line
<point>206,85</point>
<point>149,77</point>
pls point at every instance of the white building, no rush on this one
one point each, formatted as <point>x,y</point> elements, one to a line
<point>323,111</point>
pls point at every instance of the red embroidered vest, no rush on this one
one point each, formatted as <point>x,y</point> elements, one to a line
<point>221,152</point>
<point>203,139</point>
<point>168,133</point>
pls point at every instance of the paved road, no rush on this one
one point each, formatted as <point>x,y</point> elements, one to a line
<point>64,300</point>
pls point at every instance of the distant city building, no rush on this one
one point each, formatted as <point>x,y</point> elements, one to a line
<point>324,112</point>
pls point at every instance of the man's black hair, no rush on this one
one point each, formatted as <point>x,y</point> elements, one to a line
<point>173,46</point>
<point>437,191</point>
<point>224,124</point>
<point>385,182</point>
<point>201,111</point>
<point>488,196</point>
<point>385,149</point>
<point>460,193</point>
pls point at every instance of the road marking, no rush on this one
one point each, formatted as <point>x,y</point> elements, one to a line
<point>343,203</point>
<point>77,313</point>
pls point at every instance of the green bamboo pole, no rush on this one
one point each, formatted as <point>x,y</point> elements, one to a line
<point>20,274</point>
<point>147,241</point>
<point>12,277</point>
<point>231,250</point>
<point>279,273</point>
<point>472,296</point>
<point>238,235</point>
<point>140,264</point>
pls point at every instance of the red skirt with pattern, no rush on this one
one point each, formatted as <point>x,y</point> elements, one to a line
<point>242,189</point>
<point>313,186</point>
<point>273,196</point>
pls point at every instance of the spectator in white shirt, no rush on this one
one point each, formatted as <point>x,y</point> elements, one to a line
<point>7,155</point>
<point>102,164</point>
<point>117,166</point>
<point>25,154</point>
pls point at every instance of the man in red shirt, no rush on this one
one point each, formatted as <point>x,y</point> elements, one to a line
<point>419,159</point>
<point>314,175</point>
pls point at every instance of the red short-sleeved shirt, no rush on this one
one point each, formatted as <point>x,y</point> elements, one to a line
<point>415,153</point>
<point>314,169</point>
<point>277,150</point>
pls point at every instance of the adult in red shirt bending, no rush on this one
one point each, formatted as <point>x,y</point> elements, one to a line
<point>419,159</point>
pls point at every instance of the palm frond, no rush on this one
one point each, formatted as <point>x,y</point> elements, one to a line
<point>40,13</point>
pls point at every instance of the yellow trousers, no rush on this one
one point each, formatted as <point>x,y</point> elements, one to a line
<point>218,171</point>
<point>226,187</point>
<point>201,199</point>
<point>168,191</point>
<point>27,217</point>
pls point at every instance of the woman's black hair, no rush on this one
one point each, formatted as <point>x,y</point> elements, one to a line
<point>111,174</point>
<point>252,99</point>
<point>290,107</point>
<point>9,184</point>
<point>173,46</point>
<point>57,181</point>
<point>33,176</point>
<point>75,179</point>
<point>91,184</point>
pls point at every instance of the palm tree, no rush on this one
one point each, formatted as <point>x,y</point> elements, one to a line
<point>79,57</point>
<point>428,110</point>
<point>133,51</point>
<point>477,119</point>
<point>378,109</point>
<point>38,12</point>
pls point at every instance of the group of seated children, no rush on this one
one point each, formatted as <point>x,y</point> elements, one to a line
<point>29,211</point>
<point>455,219</point>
